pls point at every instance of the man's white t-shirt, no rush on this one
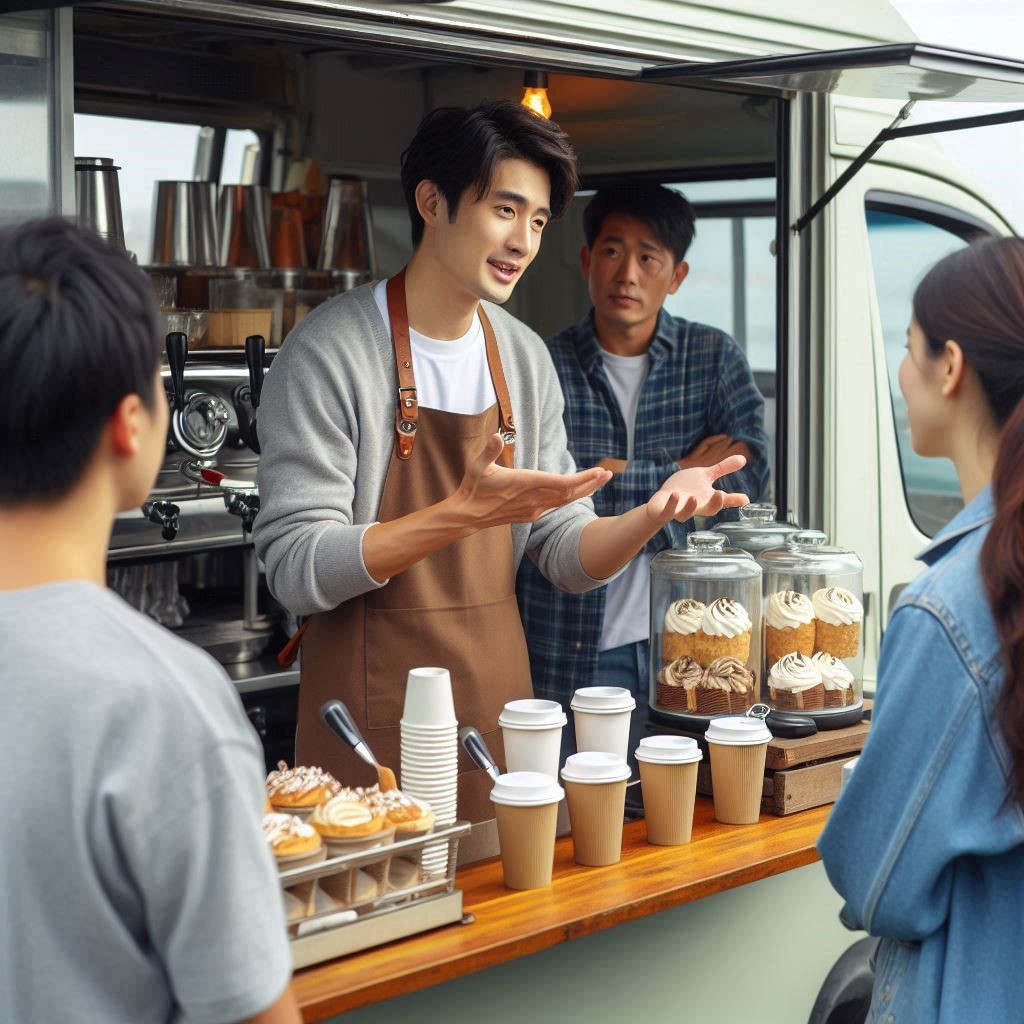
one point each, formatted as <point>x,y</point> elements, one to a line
<point>627,598</point>
<point>451,376</point>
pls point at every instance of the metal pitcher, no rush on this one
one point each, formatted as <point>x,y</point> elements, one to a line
<point>98,198</point>
<point>243,221</point>
<point>184,224</point>
<point>347,243</point>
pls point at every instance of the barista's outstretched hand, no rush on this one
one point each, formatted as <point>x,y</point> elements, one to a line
<point>492,495</point>
<point>691,492</point>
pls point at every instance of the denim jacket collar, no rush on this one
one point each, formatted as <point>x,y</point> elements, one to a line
<point>979,512</point>
<point>667,334</point>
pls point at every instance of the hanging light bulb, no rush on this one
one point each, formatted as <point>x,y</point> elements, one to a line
<point>535,93</point>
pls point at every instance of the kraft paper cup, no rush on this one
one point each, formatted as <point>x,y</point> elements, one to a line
<point>532,735</point>
<point>668,775</point>
<point>526,808</point>
<point>595,788</point>
<point>601,715</point>
<point>738,747</point>
<point>428,698</point>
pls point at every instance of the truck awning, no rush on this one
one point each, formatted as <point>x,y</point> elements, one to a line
<point>899,71</point>
<point>908,72</point>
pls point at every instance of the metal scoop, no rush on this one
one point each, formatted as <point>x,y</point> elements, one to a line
<point>339,720</point>
<point>477,750</point>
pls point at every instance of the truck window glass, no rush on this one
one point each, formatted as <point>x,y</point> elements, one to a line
<point>903,249</point>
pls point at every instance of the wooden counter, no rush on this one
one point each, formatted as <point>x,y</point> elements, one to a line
<point>579,901</point>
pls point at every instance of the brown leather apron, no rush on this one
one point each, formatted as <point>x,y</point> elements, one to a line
<point>455,608</point>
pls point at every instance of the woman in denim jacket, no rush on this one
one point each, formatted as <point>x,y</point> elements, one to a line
<point>926,844</point>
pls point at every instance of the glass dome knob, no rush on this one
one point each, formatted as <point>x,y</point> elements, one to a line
<point>759,512</point>
<point>809,538</point>
<point>705,540</point>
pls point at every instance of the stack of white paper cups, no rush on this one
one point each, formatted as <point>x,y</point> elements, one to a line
<point>532,734</point>
<point>601,715</point>
<point>430,753</point>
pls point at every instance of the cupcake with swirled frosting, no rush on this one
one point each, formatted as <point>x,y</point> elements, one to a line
<point>727,687</point>
<point>788,625</point>
<point>795,684</point>
<point>836,678</point>
<point>724,632</point>
<point>676,684</point>
<point>682,620</point>
<point>838,616</point>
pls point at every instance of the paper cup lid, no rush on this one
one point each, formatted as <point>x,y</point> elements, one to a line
<point>603,698</point>
<point>595,766</point>
<point>526,789</point>
<point>668,750</point>
<point>532,714</point>
<point>739,731</point>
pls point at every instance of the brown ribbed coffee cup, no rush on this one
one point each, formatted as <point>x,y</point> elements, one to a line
<point>737,779</point>
<point>669,794</point>
<point>526,836</point>
<point>595,814</point>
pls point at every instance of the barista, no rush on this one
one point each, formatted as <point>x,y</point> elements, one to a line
<point>413,451</point>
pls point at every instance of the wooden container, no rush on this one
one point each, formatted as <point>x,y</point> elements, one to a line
<point>228,328</point>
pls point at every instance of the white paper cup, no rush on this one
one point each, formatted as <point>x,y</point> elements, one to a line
<point>738,747</point>
<point>601,715</point>
<point>526,808</point>
<point>428,698</point>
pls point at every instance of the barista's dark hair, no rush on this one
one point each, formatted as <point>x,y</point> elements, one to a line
<point>667,213</point>
<point>78,332</point>
<point>975,297</point>
<point>459,148</point>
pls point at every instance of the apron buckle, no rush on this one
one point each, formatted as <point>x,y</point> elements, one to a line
<point>407,426</point>
<point>409,401</point>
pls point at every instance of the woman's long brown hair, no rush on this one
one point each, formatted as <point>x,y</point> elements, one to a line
<point>976,297</point>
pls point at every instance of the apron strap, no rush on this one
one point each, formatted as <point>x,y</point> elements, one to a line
<point>506,425</point>
<point>407,413</point>
<point>408,406</point>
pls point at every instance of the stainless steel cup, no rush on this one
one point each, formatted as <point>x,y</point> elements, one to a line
<point>185,224</point>
<point>98,198</point>
<point>243,226</point>
<point>347,243</point>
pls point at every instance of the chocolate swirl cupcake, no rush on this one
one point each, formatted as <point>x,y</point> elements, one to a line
<point>726,688</point>
<point>676,683</point>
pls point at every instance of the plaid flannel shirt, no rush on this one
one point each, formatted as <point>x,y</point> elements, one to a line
<point>699,384</point>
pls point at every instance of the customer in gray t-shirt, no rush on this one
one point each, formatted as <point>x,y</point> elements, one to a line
<point>138,887</point>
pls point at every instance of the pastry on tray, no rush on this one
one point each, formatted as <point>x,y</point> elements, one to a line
<point>410,816</point>
<point>343,817</point>
<point>682,620</point>
<point>289,837</point>
<point>724,632</point>
<point>795,684</point>
<point>837,629</point>
<point>788,625</point>
<point>726,687</point>
<point>676,683</point>
<point>836,678</point>
<point>300,789</point>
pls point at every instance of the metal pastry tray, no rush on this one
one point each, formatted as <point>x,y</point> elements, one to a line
<point>392,913</point>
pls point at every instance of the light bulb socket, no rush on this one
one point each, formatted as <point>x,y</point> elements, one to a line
<point>535,79</point>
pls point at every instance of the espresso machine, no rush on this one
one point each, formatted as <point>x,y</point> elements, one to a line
<point>186,557</point>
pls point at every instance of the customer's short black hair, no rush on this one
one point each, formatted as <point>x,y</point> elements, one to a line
<point>78,332</point>
<point>458,148</point>
<point>666,212</point>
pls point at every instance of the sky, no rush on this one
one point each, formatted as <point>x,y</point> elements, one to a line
<point>992,156</point>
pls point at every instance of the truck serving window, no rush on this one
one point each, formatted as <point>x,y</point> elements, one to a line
<point>906,239</point>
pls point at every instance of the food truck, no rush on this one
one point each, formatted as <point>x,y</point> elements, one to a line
<point>818,210</point>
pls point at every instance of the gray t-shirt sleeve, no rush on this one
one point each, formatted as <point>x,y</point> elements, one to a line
<point>212,901</point>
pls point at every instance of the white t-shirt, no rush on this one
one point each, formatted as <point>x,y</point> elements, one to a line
<point>627,598</point>
<point>452,376</point>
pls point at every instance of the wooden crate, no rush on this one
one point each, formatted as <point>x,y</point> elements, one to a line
<point>800,773</point>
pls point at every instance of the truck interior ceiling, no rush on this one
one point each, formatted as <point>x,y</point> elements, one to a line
<point>233,103</point>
